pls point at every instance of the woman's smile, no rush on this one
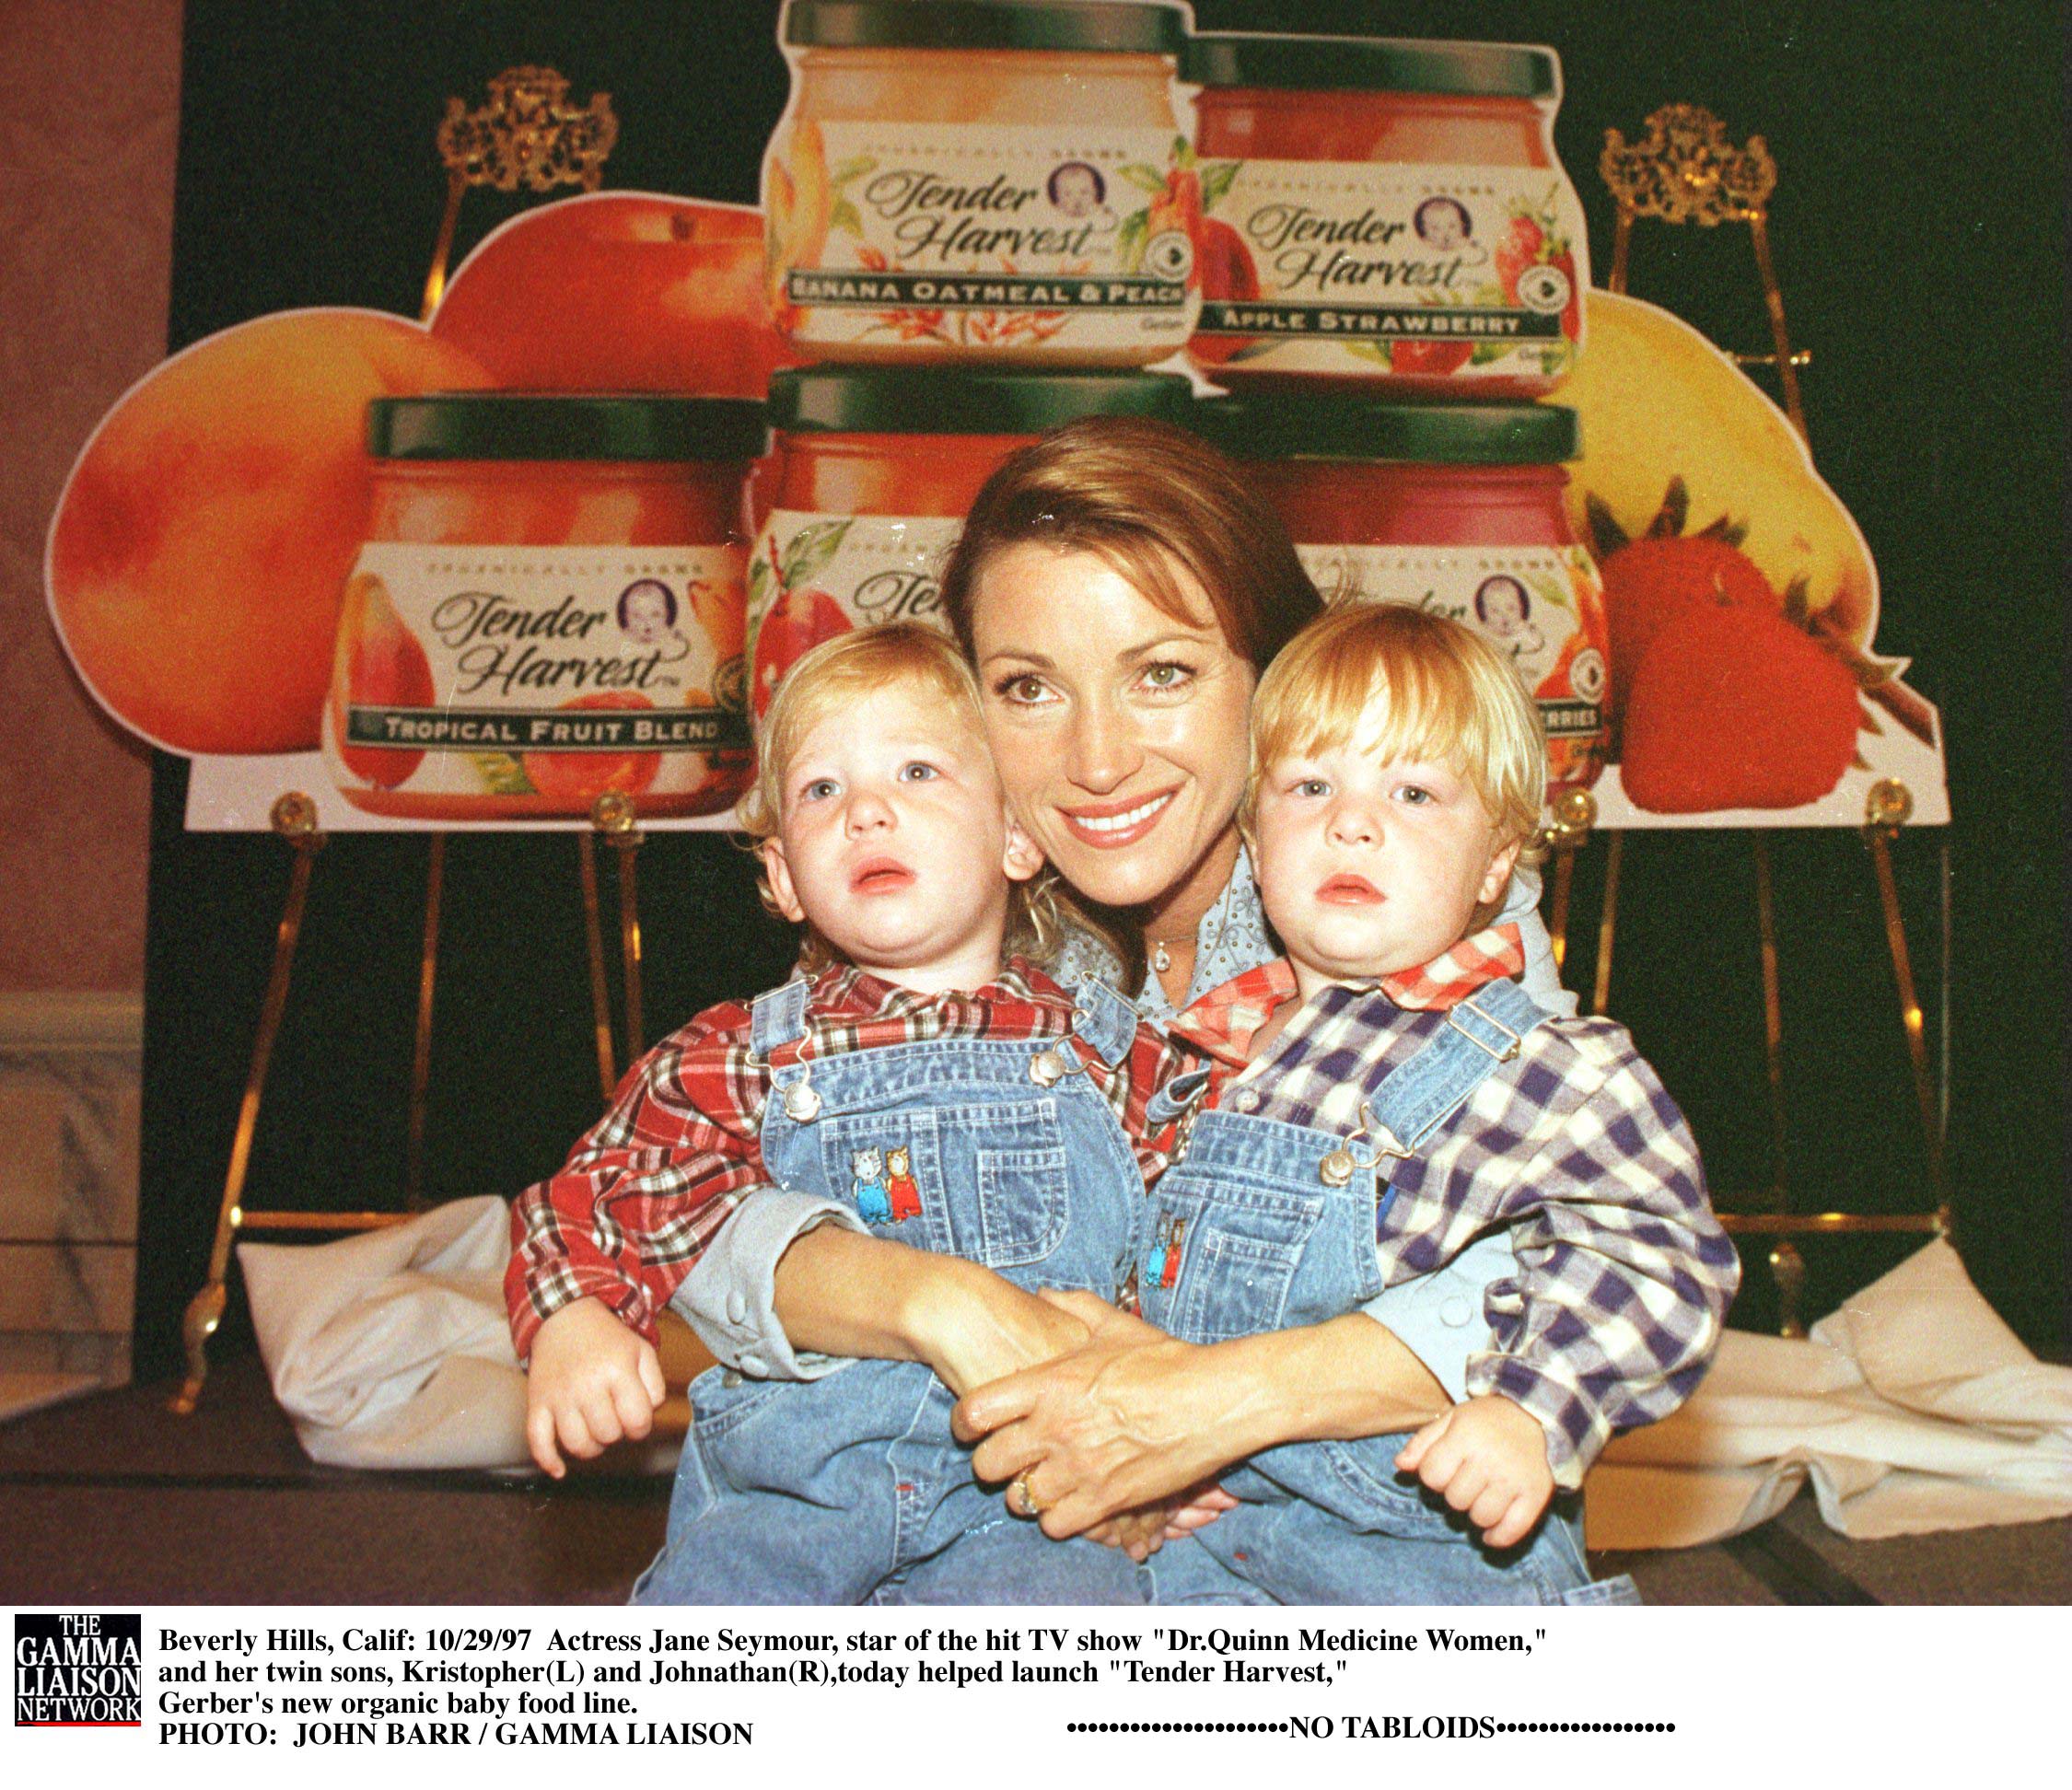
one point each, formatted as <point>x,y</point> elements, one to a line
<point>1112,824</point>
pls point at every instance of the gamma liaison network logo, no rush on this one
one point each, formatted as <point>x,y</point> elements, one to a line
<point>79,1670</point>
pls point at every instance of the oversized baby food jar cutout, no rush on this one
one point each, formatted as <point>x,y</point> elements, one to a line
<point>1374,208</point>
<point>1456,509</point>
<point>871,475</point>
<point>548,606</point>
<point>971,180</point>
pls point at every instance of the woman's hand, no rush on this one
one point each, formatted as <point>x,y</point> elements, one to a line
<point>1126,1422</point>
<point>1135,1416</point>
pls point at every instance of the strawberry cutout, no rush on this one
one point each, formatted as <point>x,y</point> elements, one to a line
<point>1725,694</point>
<point>1735,708</point>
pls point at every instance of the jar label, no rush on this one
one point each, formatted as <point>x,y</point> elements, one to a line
<point>970,239</point>
<point>531,680</point>
<point>814,575</point>
<point>1412,269</point>
<point>1543,606</point>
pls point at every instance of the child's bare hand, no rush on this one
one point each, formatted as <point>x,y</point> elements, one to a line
<point>591,1382</point>
<point>1487,1458</point>
<point>1140,1533</point>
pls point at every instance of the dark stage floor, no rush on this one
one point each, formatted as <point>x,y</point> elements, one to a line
<point>109,1500</point>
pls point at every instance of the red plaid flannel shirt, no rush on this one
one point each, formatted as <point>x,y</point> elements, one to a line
<point>648,1186</point>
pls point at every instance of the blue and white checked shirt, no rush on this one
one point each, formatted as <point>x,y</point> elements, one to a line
<point>1624,1273</point>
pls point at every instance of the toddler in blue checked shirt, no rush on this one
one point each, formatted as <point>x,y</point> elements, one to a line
<point>1385,1094</point>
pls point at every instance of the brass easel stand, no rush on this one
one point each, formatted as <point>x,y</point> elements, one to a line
<point>295,818</point>
<point>528,135</point>
<point>612,819</point>
<point>1685,171</point>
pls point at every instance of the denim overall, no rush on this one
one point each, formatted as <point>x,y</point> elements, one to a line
<point>850,1488</point>
<point>1274,1225</point>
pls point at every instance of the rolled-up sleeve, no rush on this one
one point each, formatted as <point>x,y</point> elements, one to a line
<point>729,1295</point>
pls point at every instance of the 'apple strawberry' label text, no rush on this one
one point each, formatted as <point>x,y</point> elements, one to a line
<point>522,681</point>
<point>1411,269</point>
<point>1543,607</point>
<point>976,239</point>
<point>814,575</point>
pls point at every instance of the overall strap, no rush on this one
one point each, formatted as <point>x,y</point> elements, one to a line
<point>1177,1096</point>
<point>778,1017</point>
<point>1480,1036</point>
<point>1102,1020</point>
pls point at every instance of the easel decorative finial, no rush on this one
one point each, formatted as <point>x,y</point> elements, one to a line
<point>528,135</point>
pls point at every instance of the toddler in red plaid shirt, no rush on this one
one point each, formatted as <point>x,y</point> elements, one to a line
<point>907,1082</point>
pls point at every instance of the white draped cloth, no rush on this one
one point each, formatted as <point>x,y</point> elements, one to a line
<point>390,1349</point>
<point>1912,1408</point>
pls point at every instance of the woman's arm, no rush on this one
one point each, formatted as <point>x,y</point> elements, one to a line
<point>842,1292</point>
<point>1135,1416</point>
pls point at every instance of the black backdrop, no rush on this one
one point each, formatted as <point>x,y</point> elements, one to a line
<point>1919,234</point>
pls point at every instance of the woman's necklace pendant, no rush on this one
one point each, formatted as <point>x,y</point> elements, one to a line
<point>1161,959</point>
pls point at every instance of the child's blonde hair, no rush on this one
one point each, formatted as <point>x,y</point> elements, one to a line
<point>835,674</point>
<point>1439,690</point>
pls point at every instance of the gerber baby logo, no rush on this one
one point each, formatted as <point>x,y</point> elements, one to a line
<point>78,1671</point>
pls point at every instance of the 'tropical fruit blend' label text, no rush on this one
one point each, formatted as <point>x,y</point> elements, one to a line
<point>505,681</point>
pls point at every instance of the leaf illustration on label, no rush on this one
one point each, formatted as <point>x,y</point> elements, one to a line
<point>808,551</point>
<point>1216,182</point>
<point>1550,590</point>
<point>1129,239</point>
<point>501,773</point>
<point>849,169</point>
<point>1143,176</point>
<point>758,580</point>
<point>842,217</point>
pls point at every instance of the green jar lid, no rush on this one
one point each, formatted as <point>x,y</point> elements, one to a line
<point>1249,59</point>
<point>536,425</point>
<point>951,400</point>
<point>1096,25</point>
<point>1286,426</point>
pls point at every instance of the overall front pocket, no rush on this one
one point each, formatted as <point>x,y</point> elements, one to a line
<point>1237,1248</point>
<point>986,1182</point>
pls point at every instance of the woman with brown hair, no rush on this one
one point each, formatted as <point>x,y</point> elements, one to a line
<point>1119,587</point>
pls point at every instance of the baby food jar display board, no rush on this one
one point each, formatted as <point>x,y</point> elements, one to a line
<point>1454,508</point>
<point>872,472</point>
<point>1373,208</point>
<point>980,180</point>
<point>543,626</point>
<point>548,607</point>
